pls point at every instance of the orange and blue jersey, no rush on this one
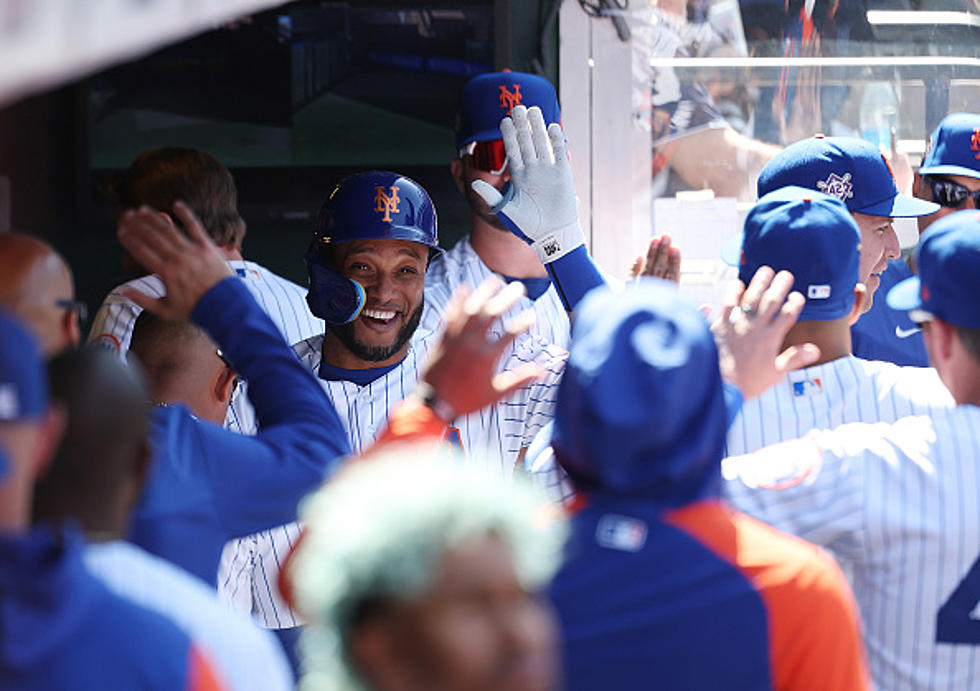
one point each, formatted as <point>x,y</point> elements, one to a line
<point>700,597</point>
<point>60,628</point>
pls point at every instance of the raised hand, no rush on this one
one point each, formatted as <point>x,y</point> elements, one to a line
<point>539,205</point>
<point>460,370</point>
<point>750,331</point>
<point>189,264</point>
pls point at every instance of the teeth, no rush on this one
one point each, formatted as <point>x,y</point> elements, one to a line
<point>379,314</point>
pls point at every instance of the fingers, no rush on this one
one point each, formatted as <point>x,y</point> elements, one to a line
<point>559,146</point>
<point>193,227</point>
<point>789,312</point>
<point>508,132</point>
<point>540,136</point>
<point>757,286</point>
<point>636,268</point>
<point>660,258</point>
<point>507,382</point>
<point>797,357</point>
<point>775,295</point>
<point>477,299</point>
<point>504,300</point>
<point>150,237</point>
<point>487,192</point>
<point>524,141</point>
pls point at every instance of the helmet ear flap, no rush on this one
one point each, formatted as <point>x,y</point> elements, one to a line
<point>334,298</point>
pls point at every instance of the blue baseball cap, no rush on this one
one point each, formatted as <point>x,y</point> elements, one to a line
<point>812,236</point>
<point>850,169</point>
<point>23,379</point>
<point>489,98</point>
<point>954,147</point>
<point>640,408</point>
<point>948,261</point>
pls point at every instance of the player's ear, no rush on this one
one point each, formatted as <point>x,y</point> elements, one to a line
<point>861,298</point>
<point>456,168</point>
<point>920,189</point>
<point>224,385</point>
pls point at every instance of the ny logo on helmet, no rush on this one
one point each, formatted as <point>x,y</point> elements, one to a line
<point>509,99</point>
<point>386,203</point>
<point>837,186</point>
<point>975,142</point>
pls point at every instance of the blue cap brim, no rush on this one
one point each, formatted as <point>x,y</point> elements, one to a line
<point>950,170</point>
<point>905,295</point>
<point>731,250</point>
<point>900,206</point>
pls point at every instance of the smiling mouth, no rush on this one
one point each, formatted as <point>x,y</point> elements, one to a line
<point>376,316</point>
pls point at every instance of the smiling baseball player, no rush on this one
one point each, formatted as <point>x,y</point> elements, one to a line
<point>897,502</point>
<point>375,236</point>
<point>812,236</point>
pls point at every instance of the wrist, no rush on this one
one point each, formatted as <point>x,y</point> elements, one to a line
<point>442,409</point>
<point>559,242</point>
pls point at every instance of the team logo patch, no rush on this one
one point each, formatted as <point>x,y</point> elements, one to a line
<point>509,99</point>
<point>818,292</point>
<point>807,387</point>
<point>109,342</point>
<point>251,274</point>
<point>777,467</point>
<point>621,533</point>
<point>837,186</point>
<point>8,402</point>
<point>975,142</point>
<point>386,202</point>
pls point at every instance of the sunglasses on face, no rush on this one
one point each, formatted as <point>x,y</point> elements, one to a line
<point>952,194</point>
<point>490,157</point>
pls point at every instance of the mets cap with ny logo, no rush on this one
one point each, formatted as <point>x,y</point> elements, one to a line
<point>954,147</point>
<point>948,283</point>
<point>489,98</point>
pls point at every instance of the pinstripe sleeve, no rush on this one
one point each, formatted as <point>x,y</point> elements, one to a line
<point>812,487</point>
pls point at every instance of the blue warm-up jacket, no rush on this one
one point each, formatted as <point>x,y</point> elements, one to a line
<point>60,628</point>
<point>209,485</point>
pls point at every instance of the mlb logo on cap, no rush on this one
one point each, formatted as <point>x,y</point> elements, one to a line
<point>954,147</point>
<point>850,169</point>
<point>948,261</point>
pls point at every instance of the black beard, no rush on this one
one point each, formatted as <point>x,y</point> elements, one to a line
<point>345,334</point>
<point>480,208</point>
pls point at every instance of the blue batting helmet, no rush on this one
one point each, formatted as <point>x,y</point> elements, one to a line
<point>375,205</point>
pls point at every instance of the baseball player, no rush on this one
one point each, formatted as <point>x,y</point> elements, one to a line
<point>857,174</point>
<point>160,177</point>
<point>490,249</point>
<point>374,239</point>
<point>950,177</point>
<point>659,573</point>
<point>61,628</point>
<point>812,236</point>
<point>897,502</point>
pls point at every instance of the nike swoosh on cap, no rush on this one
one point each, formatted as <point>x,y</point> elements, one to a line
<point>905,333</point>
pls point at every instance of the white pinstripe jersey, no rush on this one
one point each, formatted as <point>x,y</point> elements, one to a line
<point>495,436</point>
<point>897,504</point>
<point>283,300</point>
<point>825,396</point>
<point>462,264</point>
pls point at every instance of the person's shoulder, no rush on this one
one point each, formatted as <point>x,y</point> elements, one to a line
<point>250,270</point>
<point>920,385</point>
<point>151,284</point>
<point>781,563</point>
<point>448,268</point>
